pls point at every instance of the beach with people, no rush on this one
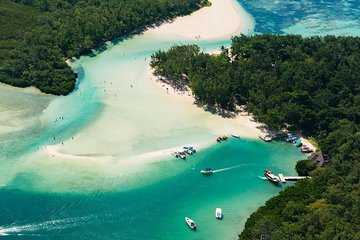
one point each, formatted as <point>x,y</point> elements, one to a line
<point>101,156</point>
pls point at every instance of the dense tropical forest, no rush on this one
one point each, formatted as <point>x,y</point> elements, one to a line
<point>311,85</point>
<point>37,36</point>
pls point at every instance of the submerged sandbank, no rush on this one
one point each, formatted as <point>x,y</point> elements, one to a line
<point>221,20</point>
<point>117,124</point>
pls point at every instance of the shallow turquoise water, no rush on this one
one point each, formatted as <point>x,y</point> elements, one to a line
<point>157,211</point>
<point>308,18</point>
<point>37,204</point>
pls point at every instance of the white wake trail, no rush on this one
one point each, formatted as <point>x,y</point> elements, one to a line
<point>228,168</point>
<point>42,226</point>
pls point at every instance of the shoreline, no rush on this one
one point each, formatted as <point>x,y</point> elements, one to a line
<point>221,20</point>
<point>243,120</point>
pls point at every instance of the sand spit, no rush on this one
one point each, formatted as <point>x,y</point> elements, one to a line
<point>247,126</point>
<point>221,20</point>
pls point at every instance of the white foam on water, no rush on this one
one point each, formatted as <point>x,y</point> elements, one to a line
<point>42,226</point>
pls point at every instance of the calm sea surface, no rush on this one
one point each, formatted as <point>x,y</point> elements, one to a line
<point>42,198</point>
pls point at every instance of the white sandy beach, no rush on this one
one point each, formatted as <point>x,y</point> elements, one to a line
<point>247,127</point>
<point>133,121</point>
<point>221,20</point>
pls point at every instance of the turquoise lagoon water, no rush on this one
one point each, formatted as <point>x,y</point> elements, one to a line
<point>308,18</point>
<point>51,198</point>
<point>157,211</point>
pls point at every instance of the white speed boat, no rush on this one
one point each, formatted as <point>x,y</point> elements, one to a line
<point>189,149</point>
<point>218,213</point>
<point>191,223</point>
<point>207,171</point>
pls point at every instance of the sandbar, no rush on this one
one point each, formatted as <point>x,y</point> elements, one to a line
<point>223,19</point>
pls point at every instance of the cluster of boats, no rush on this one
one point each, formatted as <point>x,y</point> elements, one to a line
<point>298,143</point>
<point>191,223</point>
<point>187,150</point>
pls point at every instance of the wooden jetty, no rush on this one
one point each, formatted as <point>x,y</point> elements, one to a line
<point>283,178</point>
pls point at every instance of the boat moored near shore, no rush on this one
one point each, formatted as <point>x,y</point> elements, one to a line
<point>271,177</point>
<point>189,150</point>
<point>179,154</point>
<point>221,138</point>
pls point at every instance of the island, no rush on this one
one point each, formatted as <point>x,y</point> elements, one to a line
<point>37,37</point>
<point>307,85</point>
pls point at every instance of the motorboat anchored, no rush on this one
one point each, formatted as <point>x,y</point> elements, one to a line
<point>179,154</point>
<point>175,154</point>
<point>189,149</point>
<point>271,177</point>
<point>207,171</point>
<point>191,223</point>
<point>222,138</point>
<point>218,213</point>
<point>182,154</point>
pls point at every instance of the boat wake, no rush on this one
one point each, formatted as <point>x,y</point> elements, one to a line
<point>264,178</point>
<point>228,168</point>
<point>46,226</point>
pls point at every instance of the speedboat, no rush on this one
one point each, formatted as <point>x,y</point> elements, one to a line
<point>291,138</point>
<point>218,213</point>
<point>271,177</point>
<point>235,135</point>
<point>222,138</point>
<point>189,150</point>
<point>298,143</point>
<point>207,171</point>
<point>182,154</point>
<point>306,149</point>
<point>191,223</point>
<point>175,154</point>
